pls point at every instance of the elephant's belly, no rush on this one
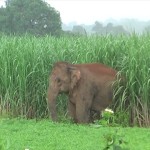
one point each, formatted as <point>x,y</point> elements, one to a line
<point>97,106</point>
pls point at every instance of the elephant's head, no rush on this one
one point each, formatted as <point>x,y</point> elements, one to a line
<point>63,78</point>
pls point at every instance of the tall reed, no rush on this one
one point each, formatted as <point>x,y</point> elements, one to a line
<point>25,63</point>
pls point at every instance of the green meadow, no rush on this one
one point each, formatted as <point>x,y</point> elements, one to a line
<point>19,134</point>
<point>25,64</point>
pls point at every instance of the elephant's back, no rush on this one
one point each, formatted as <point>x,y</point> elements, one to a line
<point>98,69</point>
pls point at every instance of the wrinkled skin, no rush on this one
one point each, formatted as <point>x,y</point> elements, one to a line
<point>89,88</point>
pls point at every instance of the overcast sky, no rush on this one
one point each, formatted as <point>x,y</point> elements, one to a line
<point>88,11</point>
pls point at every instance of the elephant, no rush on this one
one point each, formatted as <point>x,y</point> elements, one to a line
<point>89,88</point>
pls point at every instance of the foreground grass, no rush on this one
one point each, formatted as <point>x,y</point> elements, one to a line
<point>19,134</point>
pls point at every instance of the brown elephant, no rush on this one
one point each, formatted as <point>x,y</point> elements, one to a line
<point>89,87</point>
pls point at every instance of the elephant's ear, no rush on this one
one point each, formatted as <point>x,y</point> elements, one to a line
<point>75,77</point>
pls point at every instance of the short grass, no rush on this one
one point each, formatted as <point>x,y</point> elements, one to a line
<point>20,134</point>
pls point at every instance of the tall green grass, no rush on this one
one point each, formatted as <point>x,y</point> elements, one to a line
<point>25,63</point>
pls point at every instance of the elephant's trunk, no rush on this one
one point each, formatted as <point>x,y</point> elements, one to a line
<point>52,95</point>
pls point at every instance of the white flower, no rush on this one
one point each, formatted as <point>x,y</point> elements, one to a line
<point>45,26</point>
<point>108,110</point>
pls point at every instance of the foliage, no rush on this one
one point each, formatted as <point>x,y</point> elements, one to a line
<point>99,29</point>
<point>115,141</point>
<point>29,16</point>
<point>25,63</point>
<point>43,134</point>
<point>109,118</point>
<point>147,29</point>
<point>79,30</point>
<point>121,118</point>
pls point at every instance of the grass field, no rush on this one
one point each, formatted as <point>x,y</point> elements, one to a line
<point>25,63</point>
<point>19,134</point>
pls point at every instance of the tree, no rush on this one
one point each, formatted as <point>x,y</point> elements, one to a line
<point>77,29</point>
<point>120,30</point>
<point>97,27</point>
<point>147,29</point>
<point>30,16</point>
<point>2,19</point>
<point>109,28</point>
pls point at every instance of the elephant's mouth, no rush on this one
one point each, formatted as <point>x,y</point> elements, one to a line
<point>65,92</point>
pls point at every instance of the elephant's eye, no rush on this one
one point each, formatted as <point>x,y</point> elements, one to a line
<point>58,80</point>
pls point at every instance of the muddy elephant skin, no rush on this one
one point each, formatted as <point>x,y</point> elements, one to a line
<point>89,88</point>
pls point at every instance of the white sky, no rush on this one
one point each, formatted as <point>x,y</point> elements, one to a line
<point>88,11</point>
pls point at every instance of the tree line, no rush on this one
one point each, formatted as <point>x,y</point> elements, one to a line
<point>29,16</point>
<point>38,18</point>
<point>99,29</point>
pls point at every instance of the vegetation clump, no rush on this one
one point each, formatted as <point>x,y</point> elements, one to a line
<point>25,63</point>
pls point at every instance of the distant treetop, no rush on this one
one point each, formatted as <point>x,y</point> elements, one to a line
<point>29,16</point>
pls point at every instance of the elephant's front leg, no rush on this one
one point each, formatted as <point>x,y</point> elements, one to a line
<point>72,111</point>
<point>83,107</point>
